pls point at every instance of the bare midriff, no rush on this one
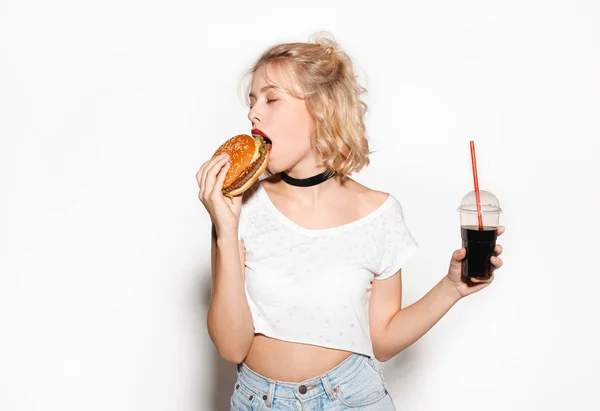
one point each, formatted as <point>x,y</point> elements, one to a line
<point>291,362</point>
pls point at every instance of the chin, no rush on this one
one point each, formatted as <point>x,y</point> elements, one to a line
<point>276,166</point>
<point>273,167</point>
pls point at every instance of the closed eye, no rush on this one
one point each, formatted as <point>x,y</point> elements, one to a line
<point>268,102</point>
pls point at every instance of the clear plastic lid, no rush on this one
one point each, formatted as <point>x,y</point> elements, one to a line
<point>490,210</point>
<point>489,203</point>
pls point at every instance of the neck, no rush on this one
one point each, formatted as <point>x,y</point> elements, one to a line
<point>309,181</point>
<point>301,171</point>
<point>310,194</point>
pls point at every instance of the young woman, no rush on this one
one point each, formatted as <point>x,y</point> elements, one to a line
<point>306,264</point>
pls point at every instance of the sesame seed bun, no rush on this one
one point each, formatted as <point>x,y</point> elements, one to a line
<point>249,157</point>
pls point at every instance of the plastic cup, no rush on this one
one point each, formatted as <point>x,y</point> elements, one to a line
<point>479,241</point>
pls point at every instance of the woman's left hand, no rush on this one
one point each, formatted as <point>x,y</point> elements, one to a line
<point>466,286</point>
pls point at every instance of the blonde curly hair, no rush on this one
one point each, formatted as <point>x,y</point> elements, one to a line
<point>325,75</point>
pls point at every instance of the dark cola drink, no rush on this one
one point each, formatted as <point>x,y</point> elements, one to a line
<point>480,247</point>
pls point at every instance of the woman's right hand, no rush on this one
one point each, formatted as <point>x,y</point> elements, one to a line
<point>224,211</point>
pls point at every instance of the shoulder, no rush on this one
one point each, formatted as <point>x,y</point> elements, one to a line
<point>389,208</point>
<point>367,198</point>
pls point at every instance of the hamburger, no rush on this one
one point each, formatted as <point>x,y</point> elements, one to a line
<point>249,157</point>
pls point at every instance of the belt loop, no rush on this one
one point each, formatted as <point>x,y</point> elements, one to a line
<point>327,387</point>
<point>270,394</point>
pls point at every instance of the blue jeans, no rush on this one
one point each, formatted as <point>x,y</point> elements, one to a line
<point>355,384</point>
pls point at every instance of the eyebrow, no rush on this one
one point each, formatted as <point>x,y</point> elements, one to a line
<point>262,90</point>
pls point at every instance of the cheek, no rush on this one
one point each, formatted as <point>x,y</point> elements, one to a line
<point>293,131</point>
<point>300,129</point>
<point>295,143</point>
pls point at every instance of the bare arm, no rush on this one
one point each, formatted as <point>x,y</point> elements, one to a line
<point>230,323</point>
<point>393,329</point>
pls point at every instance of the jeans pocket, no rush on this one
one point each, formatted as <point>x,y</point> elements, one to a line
<point>366,388</point>
<point>243,399</point>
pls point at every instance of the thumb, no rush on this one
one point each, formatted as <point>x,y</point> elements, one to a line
<point>457,257</point>
<point>237,204</point>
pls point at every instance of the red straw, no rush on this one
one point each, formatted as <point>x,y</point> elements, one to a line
<point>478,201</point>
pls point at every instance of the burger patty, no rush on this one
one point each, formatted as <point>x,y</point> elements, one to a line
<point>252,168</point>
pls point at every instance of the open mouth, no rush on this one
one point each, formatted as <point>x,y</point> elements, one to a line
<point>257,132</point>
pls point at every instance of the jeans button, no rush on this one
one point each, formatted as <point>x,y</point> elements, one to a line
<point>302,389</point>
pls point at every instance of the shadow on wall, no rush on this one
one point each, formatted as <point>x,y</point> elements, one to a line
<point>224,373</point>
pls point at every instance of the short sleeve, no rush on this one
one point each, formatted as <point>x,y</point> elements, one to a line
<point>398,243</point>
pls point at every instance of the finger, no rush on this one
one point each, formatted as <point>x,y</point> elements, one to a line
<point>201,182</point>
<point>498,249</point>
<point>210,172</point>
<point>476,280</point>
<point>459,255</point>
<point>218,186</point>
<point>237,201</point>
<point>199,174</point>
<point>480,285</point>
<point>456,260</point>
<point>501,229</point>
<point>497,262</point>
<point>200,179</point>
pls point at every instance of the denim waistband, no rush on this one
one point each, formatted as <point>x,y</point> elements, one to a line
<point>303,391</point>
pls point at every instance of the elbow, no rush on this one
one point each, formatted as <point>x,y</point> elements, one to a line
<point>381,352</point>
<point>232,345</point>
<point>232,355</point>
<point>233,349</point>
<point>381,357</point>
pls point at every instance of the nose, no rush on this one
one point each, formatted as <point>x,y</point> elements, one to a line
<point>254,116</point>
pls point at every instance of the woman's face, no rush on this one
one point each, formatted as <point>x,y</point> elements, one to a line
<point>284,119</point>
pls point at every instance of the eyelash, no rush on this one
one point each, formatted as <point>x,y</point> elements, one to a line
<point>268,102</point>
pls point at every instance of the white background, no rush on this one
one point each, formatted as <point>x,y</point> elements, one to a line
<point>108,109</point>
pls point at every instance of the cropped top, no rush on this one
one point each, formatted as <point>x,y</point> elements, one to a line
<point>313,286</point>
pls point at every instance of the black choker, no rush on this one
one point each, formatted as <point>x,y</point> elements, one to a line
<point>307,182</point>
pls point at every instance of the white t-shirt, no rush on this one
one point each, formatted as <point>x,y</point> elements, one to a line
<point>313,286</point>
